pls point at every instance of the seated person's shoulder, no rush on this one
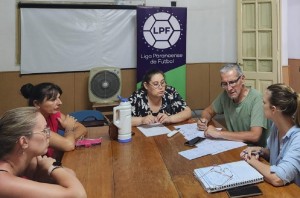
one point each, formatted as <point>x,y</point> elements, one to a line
<point>171,90</point>
<point>296,132</point>
<point>255,92</point>
<point>7,180</point>
<point>137,93</point>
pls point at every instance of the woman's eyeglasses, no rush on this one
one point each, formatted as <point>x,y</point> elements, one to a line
<point>46,131</point>
<point>232,83</point>
<point>156,85</point>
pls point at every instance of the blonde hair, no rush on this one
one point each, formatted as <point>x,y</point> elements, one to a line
<point>286,100</point>
<point>14,124</point>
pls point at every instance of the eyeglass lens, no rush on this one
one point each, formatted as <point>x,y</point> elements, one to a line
<point>230,83</point>
<point>157,84</point>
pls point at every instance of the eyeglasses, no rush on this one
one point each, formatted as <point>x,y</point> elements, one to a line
<point>46,131</point>
<point>223,175</point>
<point>156,85</point>
<point>232,83</point>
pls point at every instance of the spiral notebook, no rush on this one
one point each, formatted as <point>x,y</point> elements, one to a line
<point>220,177</point>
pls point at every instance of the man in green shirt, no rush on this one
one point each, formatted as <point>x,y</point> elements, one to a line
<point>242,108</point>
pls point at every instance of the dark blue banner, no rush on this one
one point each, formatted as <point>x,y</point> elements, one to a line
<point>161,43</point>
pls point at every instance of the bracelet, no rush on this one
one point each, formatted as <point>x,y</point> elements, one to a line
<point>52,168</point>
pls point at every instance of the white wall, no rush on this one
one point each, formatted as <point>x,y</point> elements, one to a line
<point>284,33</point>
<point>211,30</point>
<point>293,29</point>
<point>8,35</point>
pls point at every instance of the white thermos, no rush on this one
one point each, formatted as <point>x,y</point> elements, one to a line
<point>122,119</point>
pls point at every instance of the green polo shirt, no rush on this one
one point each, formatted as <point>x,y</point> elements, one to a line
<point>241,117</point>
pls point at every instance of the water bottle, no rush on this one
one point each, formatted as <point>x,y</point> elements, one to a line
<point>122,119</point>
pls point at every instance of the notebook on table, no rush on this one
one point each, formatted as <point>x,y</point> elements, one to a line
<point>220,177</point>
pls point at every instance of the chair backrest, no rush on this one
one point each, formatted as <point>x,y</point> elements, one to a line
<point>88,118</point>
<point>87,115</point>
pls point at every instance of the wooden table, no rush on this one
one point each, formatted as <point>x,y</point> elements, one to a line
<point>149,167</point>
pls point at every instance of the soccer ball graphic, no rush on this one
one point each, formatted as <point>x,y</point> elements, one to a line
<point>161,30</point>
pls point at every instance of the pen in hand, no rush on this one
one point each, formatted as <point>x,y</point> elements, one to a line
<point>253,153</point>
<point>204,122</point>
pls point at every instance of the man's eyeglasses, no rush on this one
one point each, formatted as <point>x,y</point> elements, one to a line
<point>232,83</point>
<point>46,131</point>
<point>157,84</point>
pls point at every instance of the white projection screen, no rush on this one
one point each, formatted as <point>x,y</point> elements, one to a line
<point>67,38</point>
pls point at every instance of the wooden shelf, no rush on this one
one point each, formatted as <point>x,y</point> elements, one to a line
<point>105,108</point>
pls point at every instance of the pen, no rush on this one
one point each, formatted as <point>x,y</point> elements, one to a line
<point>254,153</point>
<point>202,120</point>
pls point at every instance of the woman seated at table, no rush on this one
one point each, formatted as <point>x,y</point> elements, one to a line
<point>156,102</point>
<point>282,106</point>
<point>24,137</point>
<point>46,97</point>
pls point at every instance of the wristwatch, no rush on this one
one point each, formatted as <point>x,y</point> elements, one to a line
<point>55,165</point>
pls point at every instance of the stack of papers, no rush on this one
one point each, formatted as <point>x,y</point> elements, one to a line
<point>154,129</point>
<point>210,147</point>
<point>207,146</point>
<point>190,131</point>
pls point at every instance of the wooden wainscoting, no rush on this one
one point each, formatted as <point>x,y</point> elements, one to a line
<point>294,74</point>
<point>202,87</point>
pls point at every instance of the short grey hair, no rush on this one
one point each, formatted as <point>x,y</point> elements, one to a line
<point>231,66</point>
<point>14,124</point>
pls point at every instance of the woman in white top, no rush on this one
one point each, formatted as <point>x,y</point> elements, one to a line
<point>24,172</point>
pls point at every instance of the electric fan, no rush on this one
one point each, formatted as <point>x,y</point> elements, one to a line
<point>104,84</point>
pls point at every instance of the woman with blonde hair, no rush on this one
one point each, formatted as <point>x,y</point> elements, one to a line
<point>282,106</point>
<point>24,138</point>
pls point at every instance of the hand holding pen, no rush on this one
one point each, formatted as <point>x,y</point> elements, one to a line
<point>249,152</point>
<point>202,124</point>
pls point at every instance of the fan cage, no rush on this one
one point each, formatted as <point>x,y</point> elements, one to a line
<point>105,84</point>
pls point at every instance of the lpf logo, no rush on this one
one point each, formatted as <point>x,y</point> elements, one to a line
<point>161,30</point>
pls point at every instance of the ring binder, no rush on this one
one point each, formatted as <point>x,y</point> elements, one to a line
<point>242,174</point>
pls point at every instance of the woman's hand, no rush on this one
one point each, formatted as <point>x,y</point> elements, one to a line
<point>250,152</point>
<point>44,162</point>
<point>163,118</point>
<point>68,122</point>
<point>149,119</point>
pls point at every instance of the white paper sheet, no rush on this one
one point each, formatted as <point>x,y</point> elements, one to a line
<point>195,153</point>
<point>207,146</point>
<point>190,131</point>
<point>153,129</point>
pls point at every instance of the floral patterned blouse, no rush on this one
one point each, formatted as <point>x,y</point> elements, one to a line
<point>172,103</point>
